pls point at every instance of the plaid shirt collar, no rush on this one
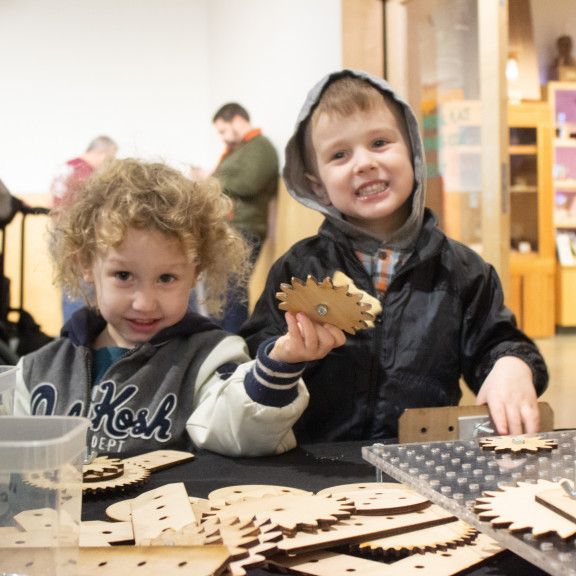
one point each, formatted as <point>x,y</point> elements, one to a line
<point>382,265</point>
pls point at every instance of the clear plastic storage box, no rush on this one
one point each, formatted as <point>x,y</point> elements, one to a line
<point>41,460</point>
<point>7,387</point>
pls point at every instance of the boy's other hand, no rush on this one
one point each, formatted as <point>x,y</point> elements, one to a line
<point>511,397</point>
<point>306,340</point>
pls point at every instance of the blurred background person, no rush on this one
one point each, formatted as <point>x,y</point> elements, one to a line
<point>65,185</point>
<point>248,173</point>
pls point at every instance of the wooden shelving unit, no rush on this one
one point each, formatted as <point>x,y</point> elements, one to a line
<point>532,260</point>
<point>562,99</point>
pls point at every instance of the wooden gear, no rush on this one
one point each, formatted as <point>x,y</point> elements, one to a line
<point>255,526</point>
<point>105,475</point>
<point>379,498</point>
<point>431,539</point>
<point>517,509</point>
<point>326,303</point>
<point>518,444</point>
<point>291,513</point>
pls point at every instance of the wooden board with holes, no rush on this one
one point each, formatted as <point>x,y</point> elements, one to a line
<point>104,533</point>
<point>34,558</point>
<point>29,520</point>
<point>439,424</point>
<point>151,561</point>
<point>326,563</point>
<point>122,511</point>
<point>359,528</point>
<point>160,459</point>
<point>161,509</point>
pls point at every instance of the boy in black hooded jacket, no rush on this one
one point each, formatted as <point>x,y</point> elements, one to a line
<point>357,157</point>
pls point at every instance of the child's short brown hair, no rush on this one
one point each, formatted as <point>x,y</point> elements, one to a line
<point>342,98</point>
<point>130,193</point>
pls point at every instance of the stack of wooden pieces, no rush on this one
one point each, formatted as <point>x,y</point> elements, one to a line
<point>371,529</point>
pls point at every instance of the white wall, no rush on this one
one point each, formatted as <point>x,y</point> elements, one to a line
<point>150,74</point>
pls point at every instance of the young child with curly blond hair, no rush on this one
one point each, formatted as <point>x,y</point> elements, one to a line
<point>148,372</point>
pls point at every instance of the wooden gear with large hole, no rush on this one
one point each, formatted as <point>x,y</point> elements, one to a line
<point>327,303</point>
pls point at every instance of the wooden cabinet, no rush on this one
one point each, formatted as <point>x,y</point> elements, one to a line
<point>566,296</point>
<point>532,259</point>
<point>562,99</point>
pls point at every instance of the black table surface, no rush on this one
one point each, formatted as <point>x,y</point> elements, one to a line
<point>311,468</point>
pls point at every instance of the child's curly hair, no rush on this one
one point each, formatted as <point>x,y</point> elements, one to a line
<point>129,193</point>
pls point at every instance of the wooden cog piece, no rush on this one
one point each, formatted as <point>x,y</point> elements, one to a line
<point>291,513</point>
<point>326,303</point>
<point>101,470</point>
<point>248,543</point>
<point>518,444</point>
<point>516,508</point>
<point>131,476</point>
<point>419,541</point>
<point>379,498</point>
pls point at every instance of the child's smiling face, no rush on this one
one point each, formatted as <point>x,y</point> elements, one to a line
<point>142,287</point>
<point>364,167</point>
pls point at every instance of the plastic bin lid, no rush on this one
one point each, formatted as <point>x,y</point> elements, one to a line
<point>40,442</point>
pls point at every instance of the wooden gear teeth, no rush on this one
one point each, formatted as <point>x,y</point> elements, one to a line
<point>430,539</point>
<point>106,475</point>
<point>326,303</point>
<point>518,444</point>
<point>291,513</point>
<point>516,508</point>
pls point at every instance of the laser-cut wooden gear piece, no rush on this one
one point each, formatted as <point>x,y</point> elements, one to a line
<point>102,470</point>
<point>249,543</point>
<point>379,498</point>
<point>290,512</point>
<point>326,303</point>
<point>516,508</point>
<point>518,444</point>
<point>430,539</point>
<point>108,474</point>
<point>103,475</point>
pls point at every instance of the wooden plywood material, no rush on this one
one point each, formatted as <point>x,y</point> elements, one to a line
<point>379,498</point>
<point>151,561</point>
<point>515,508</point>
<point>431,539</point>
<point>291,512</point>
<point>160,459</point>
<point>359,528</point>
<point>325,563</point>
<point>559,501</point>
<point>105,533</point>
<point>167,507</point>
<point>435,424</point>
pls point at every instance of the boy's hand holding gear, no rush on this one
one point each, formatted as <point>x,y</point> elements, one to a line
<point>334,301</point>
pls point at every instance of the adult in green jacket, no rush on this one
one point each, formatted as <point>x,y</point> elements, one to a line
<point>248,173</point>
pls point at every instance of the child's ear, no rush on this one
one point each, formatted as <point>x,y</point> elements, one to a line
<point>87,272</point>
<point>318,188</point>
<point>195,279</point>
